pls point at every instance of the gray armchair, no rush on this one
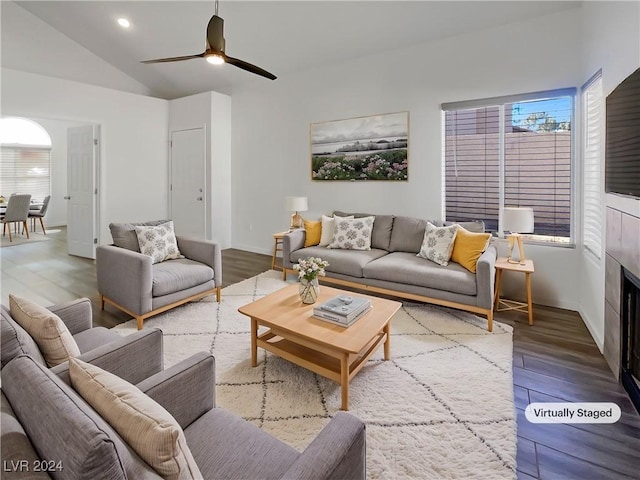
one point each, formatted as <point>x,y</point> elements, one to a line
<point>39,214</point>
<point>134,357</point>
<point>129,280</point>
<point>223,445</point>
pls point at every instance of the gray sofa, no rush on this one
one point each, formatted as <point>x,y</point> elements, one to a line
<point>97,345</point>
<point>78,444</point>
<point>391,266</point>
<point>129,280</point>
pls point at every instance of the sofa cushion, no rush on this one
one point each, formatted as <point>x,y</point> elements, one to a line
<point>407,234</point>
<point>16,446</point>
<point>347,262</point>
<point>159,242</point>
<point>95,337</point>
<point>468,246</point>
<point>124,234</point>
<point>240,450</point>
<point>144,424</point>
<point>61,426</point>
<point>381,234</point>
<point>176,275</point>
<point>404,267</point>
<point>437,244</point>
<point>312,232</point>
<point>46,328</point>
<point>352,234</point>
<point>15,340</point>
<point>475,226</point>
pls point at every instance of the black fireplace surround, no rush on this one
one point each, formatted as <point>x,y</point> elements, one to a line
<point>630,335</point>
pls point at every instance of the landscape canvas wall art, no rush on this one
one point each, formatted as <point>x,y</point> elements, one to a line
<point>361,149</point>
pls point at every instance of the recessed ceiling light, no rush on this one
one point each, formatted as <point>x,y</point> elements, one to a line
<point>123,22</point>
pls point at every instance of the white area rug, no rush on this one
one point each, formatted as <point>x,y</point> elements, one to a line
<point>441,408</point>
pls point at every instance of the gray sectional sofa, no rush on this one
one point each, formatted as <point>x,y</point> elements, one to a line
<point>47,426</point>
<point>392,266</point>
<point>49,431</point>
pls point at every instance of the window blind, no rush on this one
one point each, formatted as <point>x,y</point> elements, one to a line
<point>25,170</point>
<point>593,118</point>
<point>530,142</point>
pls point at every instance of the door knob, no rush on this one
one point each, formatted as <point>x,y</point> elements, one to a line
<point>199,199</point>
<point>67,197</point>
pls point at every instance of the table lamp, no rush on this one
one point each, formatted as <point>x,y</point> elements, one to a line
<point>296,204</point>
<point>517,220</point>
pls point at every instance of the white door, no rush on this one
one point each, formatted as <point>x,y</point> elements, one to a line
<point>82,147</point>
<point>187,182</point>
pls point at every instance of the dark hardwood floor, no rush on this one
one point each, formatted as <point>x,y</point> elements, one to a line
<point>555,360</point>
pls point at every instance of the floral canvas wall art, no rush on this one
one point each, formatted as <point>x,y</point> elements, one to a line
<point>361,149</point>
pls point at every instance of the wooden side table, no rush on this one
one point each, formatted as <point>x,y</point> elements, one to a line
<point>277,247</point>
<point>502,305</point>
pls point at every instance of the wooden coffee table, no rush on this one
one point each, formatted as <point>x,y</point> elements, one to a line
<point>335,352</point>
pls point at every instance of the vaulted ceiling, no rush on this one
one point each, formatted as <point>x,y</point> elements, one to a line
<point>80,40</point>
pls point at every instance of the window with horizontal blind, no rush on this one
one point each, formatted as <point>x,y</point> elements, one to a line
<point>25,158</point>
<point>592,147</point>
<point>513,151</point>
<point>25,170</point>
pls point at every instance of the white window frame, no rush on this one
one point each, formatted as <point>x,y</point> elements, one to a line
<point>500,102</point>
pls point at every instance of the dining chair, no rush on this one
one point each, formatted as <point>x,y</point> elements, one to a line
<point>17,212</point>
<point>39,214</point>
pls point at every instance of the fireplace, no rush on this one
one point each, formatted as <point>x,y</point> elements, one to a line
<point>630,336</point>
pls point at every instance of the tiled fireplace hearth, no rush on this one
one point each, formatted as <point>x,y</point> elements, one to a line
<point>621,296</point>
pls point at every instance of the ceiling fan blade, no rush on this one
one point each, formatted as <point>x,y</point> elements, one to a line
<point>173,59</point>
<point>249,68</point>
<point>215,34</point>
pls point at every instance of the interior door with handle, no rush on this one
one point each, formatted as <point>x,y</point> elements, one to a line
<point>188,182</point>
<point>82,157</point>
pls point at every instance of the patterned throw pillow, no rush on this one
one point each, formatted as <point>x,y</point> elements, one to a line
<point>50,333</point>
<point>352,234</point>
<point>438,243</point>
<point>158,242</point>
<point>328,224</point>
<point>144,424</point>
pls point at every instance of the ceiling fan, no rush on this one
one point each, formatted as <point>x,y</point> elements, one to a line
<point>214,52</point>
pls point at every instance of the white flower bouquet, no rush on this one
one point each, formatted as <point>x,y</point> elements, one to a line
<point>310,268</point>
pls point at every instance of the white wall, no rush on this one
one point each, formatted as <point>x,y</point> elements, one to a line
<point>133,154</point>
<point>211,110</point>
<point>611,42</point>
<point>270,129</point>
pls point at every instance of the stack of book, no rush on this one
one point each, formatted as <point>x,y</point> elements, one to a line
<point>342,310</point>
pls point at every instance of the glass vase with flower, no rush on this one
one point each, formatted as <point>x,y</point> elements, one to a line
<point>308,271</point>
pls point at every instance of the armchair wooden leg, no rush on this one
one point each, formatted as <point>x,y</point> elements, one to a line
<point>25,225</point>
<point>41,224</point>
<point>218,294</point>
<point>140,321</point>
<point>10,239</point>
<point>490,320</point>
<point>101,302</point>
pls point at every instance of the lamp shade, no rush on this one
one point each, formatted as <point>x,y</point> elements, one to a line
<point>296,204</point>
<point>517,219</point>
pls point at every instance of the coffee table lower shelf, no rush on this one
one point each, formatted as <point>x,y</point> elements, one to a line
<point>336,365</point>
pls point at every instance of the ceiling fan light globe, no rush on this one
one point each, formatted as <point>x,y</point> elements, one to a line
<point>215,59</point>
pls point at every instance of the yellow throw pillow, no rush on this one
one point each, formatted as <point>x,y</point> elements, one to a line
<point>468,247</point>
<point>313,232</point>
<point>144,424</point>
<point>46,328</point>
